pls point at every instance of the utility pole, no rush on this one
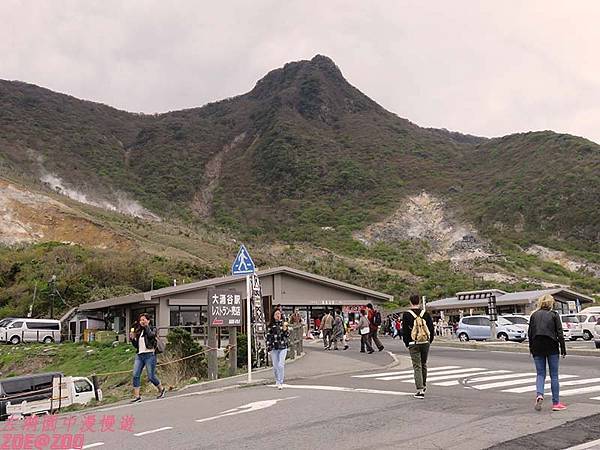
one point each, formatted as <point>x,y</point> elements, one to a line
<point>52,282</point>
<point>30,313</point>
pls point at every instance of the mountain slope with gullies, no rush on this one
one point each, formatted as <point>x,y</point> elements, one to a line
<point>303,150</point>
<point>306,170</point>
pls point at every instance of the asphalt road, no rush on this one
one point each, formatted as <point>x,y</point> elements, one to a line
<point>466,407</point>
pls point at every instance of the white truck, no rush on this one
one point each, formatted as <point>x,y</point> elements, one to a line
<point>44,393</point>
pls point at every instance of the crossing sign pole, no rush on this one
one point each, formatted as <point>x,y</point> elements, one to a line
<point>243,265</point>
<point>249,327</point>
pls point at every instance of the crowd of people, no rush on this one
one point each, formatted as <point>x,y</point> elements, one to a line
<point>415,327</point>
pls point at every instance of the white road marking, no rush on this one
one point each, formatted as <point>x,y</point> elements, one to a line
<point>468,378</point>
<point>144,433</point>
<point>462,375</point>
<point>586,445</point>
<point>441,372</point>
<point>547,385</point>
<point>500,377</point>
<point>169,398</point>
<point>404,372</point>
<point>584,390</point>
<point>512,382</point>
<point>95,444</point>
<point>343,389</point>
<point>250,407</point>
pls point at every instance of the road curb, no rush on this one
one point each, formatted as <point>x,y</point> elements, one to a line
<point>241,375</point>
<point>394,363</point>
<point>507,348</point>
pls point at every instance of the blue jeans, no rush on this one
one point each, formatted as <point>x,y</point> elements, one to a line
<point>278,358</point>
<point>540,368</point>
<point>145,359</point>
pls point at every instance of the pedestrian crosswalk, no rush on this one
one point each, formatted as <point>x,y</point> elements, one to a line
<point>482,379</point>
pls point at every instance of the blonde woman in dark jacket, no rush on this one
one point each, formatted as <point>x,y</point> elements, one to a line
<point>545,337</point>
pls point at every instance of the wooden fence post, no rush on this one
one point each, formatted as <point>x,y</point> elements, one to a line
<point>213,370</point>
<point>233,350</point>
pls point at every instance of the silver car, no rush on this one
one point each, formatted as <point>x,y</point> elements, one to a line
<point>479,328</point>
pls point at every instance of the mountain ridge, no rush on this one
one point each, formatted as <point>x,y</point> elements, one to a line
<point>315,152</point>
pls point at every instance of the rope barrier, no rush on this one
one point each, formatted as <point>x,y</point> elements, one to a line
<point>209,349</point>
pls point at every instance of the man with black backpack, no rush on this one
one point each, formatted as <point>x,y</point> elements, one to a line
<point>417,333</point>
<point>374,323</point>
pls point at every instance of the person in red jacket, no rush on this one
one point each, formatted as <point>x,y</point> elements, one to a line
<point>374,317</point>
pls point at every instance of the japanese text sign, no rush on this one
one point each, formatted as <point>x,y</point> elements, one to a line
<point>224,308</point>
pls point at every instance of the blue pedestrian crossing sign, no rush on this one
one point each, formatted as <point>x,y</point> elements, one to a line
<point>243,264</point>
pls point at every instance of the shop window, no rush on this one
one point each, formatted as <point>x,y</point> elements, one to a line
<point>189,317</point>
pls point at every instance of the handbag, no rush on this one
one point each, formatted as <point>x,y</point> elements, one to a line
<point>160,345</point>
<point>365,330</point>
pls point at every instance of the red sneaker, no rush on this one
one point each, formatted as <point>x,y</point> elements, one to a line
<point>558,407</point>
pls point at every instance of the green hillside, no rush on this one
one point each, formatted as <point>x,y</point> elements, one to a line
<point>311,151</point>
<point>302,161</point>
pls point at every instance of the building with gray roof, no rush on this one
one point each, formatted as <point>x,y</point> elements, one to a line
<point>523,302</point>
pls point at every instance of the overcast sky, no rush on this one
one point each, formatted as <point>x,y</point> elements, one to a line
<point>482,67</point>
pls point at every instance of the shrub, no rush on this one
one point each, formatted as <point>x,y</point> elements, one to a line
<point>180,345</point>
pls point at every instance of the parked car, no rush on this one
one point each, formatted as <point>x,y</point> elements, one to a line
<point>37,394</point>
<point>571,326</point>
<point>590,310</point>
<point>479,328</point>
<point>588,324</point>
<point>15,330</point>
<point>517,319</point>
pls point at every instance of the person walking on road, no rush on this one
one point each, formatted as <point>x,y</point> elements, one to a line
<point>278,337</point>
<point>417,333</point>
<point>545,336</point>
<point>397,328</point>
<point>327,327</point>
<point>143,336</point>
<point>374,317</point>
<point>364,328</point>
<point>338,330</point>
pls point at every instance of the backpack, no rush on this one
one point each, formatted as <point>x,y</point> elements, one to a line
<point>420,332</point>
<point>377,318</point>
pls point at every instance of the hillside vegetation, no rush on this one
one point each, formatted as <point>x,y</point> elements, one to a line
<point>298,168</point>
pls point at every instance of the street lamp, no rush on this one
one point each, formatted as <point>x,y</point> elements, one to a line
<point>492,310</point>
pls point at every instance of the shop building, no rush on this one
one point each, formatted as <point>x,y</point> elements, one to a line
<point>186,305</point>
<point>523,302</point>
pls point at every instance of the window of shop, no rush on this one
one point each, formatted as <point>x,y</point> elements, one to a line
<point>191,317</point>
<point>135,314</point>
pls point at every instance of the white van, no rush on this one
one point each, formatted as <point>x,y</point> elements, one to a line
<point>17,330</point>
<point>572,328</point>
<point>588,324</point>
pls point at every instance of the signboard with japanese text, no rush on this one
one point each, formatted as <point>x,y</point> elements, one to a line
<point>224,308</point>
